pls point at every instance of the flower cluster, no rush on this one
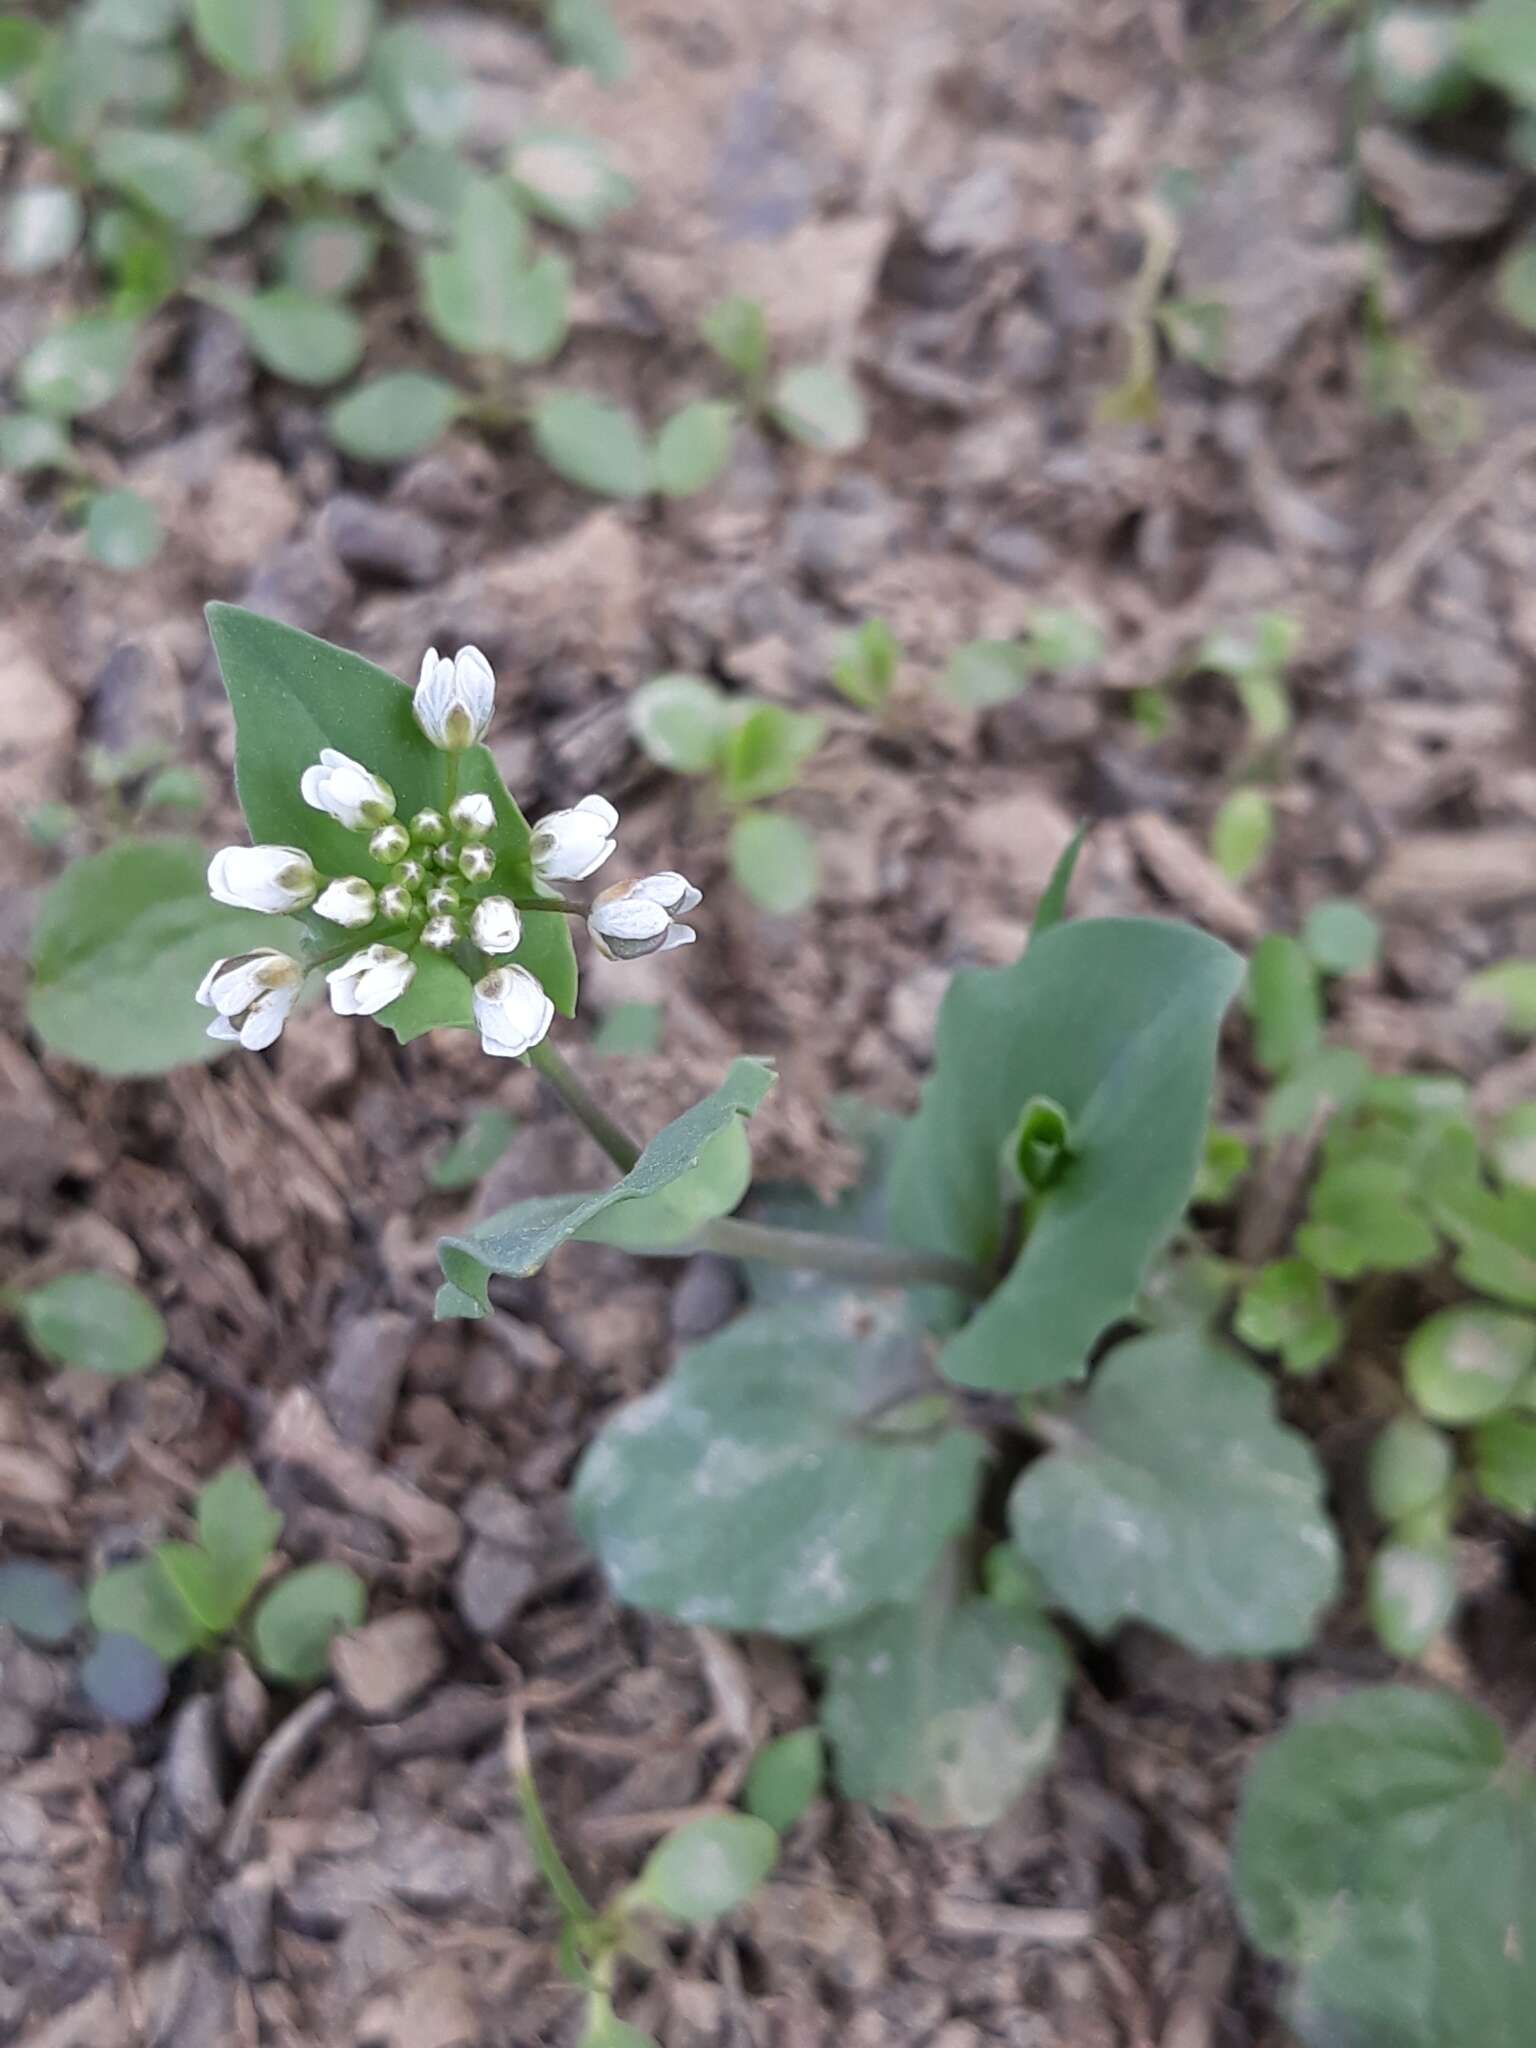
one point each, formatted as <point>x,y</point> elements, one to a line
<point>440,895</point>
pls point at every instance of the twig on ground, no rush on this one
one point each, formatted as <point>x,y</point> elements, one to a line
<point>274,1760</point>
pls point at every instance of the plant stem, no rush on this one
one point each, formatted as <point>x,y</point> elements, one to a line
<point>557,904</point>
<point>845,1258</point>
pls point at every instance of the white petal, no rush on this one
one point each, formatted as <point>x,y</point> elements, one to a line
<point>599,807</point>
<point>630,917</point>
<point>222,1029</point>
<point>672,890</point>
<point>311,783</point>
<point>677,935</point>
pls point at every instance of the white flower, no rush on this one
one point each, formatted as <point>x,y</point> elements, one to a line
<point>272,878</point>
<point>570,845</point>
<point>350,902</point>
<point>371,979</point>
<point>347,791</point>
<point>253,993</point>
<point>512,1012</point>
<point>496,926</point>
<point>636,918</point>
<point>454,699</point>
<point>473,815</point>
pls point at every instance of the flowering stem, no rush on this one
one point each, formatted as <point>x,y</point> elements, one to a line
<point>844,1258</point>
<point>557,904</point>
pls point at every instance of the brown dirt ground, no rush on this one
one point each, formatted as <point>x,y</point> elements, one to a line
<point>947,194</point>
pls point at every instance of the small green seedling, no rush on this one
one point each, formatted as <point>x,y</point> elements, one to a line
<point>865,663</point>
<point>1255,664</point>
<point>986,673</point>
<point>93,1321</point>
<point>1509,988</point>
<point>817,404</point>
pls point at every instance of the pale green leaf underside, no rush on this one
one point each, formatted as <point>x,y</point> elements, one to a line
<point>517,1241</point>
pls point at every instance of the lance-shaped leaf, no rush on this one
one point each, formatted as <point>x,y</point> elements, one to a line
<point>1115,1020</point>
<point>1384,1850</point>
<point>293,695</point>
<point>943,1711</point>
<point>780,1479</point>
<point>1177,1499</point>
<point>687,1175</point>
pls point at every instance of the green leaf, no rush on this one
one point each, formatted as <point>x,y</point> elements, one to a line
<point>517,1241</point>
<point>179,177</point>
<point>196,1583</point>
<point>337,143</point>
<point>674,1215</point>
<point>1411,1468</point>
<point>1334,1077</point>
<point>1465,1363</point>
<point>1504,1458</point>
<point>865,664</point>
<point>1240,833</point>
<point>629,1028</point>
<point>776,861</point>
<point>1061,639</point>
<point>294,335</point>
<point>42,226</point>
<point>706,1868</point>
<point>1362,1218</point>
<point>1498,43</point>
<point>1512,1147</point>
<point>1496,1237</point>
<point>123,531</point>
<point>79,366</point>
<point>986,673</point>
<point>1178,1500</point>
<point>680,722</point>
<point>125,1680</point>
<point>121,943</point>
<point>29,443</point>
<point>737,332</point>
<point>137,1600</point>
<point>1410,1595</point>
<point>592,444</point>
<point>1288,1307</point>
<point>293,695</point>
<point>1285,1002</point>
<point>1383,1851</point>
<point>475,1150</point>
<point>144,259</point>
<point>944,1712</point>
<point>41,1604</point>
<point>748,1490</point>
<point>1515,285</point>
<point>1116,1021</point>
<point>331,37</point>
<point>1224,1165</point>
<point>250,39</point>
<point>1511,987</point>
<point>764,749</point>
<point>420,83</point>
<point>821,407</point>
<point>21,44</point>
<point>693,448</point>
<point>584,32</point>
<point>328,255</point>
<point>483,293</point>
<point>293,1627</point>
<point>786,1775</point>
<point>95,1321</point>
<point>238,1528</point>
<point>424,187</point>
<point>393,417</point>
<point>1052,907</point>
<point>1342,937</point>
<point>568,179</point>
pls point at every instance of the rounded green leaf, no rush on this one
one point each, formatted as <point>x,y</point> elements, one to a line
<point>94,998</point>
<point>250,39</point>
<point>629,1028</point>
<point>1342,937</point>
<point>737,331</point>
<point>680,722</point>
<point>595,445</point>
<point>423,187</point>
<point>138,1600</point>
<point>337,144</point>
<point>295,335</point>
<point>21,44</point>
<point>1241,832</point>
<point>484,293</point>
<point>1498,43</point>
<point>694,447</point>
<point>567,178</point>
<point>945,1715</point>
<point>764,748</point>
<point>29,443</point>
<point>1410,1596</point>
<point>1284,1000</point>
<point>125,1680</point>
<point>1179,1500</point>
<point>821,407</point>
<point>1332,1078</point>
<point>238,1528</point>
<point>1504,1456</point>
<point>179,177</point>
<point>864,666</point>
<point>706,1868</point>
<point>1512,1147</point>
<point>79,366</point>
<point>584,32</point>
<point>786,1775</point>
<point>1061,638</point>
<point>1288,1307</point>
<point>291,1634</point>
<point>328,256</point>
<point>1411,1467</point>
<point>42,226</point>
<point>746,1492</point>
<point>986,673</point>
<point>391,418</point>
<point>39,1602</point>
<point>776,861</point>
<point>420,83</point>
<point>1465,1363</point>
<point>331,37</point>
<point>123,531</point>
<point>95,1321</point>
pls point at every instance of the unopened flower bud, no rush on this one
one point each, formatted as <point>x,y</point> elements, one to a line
<point>395,903</point>
<point>570,845</point>
<point>477,863</point>
<point>370,981</point>
<point>350,902</point>
<point>253,994</point>
<point>270,878</point>
<point>496,926</point>
<point>443,900</point>
<point>410,874</point>
<point>473,815</point>
<point>347,791</point>
<point>636,918</point>
<point>429,828</point>
<point>446,856</point>
<point>512,1012</point>
<point>390,843</point>
<point>454,699</point>
<point>441,934</point>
